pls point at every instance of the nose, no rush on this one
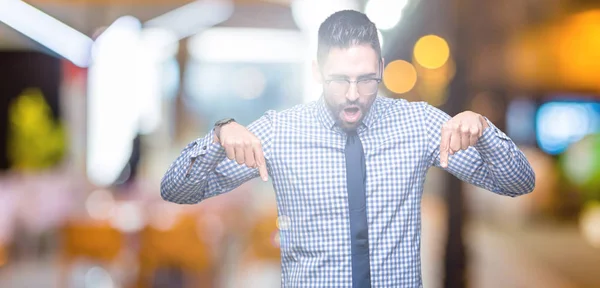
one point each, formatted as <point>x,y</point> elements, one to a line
<point>352,93</point>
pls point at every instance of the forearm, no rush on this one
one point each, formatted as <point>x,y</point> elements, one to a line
<point>203,170</point>
<point>505,170</point>
<point>493,163</point>
<point>189,179</point>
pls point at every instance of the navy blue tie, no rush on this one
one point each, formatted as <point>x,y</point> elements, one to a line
<point>359,235</point>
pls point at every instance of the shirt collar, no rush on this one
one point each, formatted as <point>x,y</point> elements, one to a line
<point>324,114</point>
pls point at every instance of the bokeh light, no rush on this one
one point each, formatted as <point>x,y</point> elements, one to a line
<point>561,123</point>
<point>581,165</point>
<point>400,76</point>
<point>589,223</point>
<point>100,205</point>
<point>275,239</point>
<point>561,55</point>
<point>577,47</point>
<point>128,217</point>
<point>385,13</point>
<point>283,222</point>
<point>431,51</point>
<point>308,14</point>
<point>98,277</point>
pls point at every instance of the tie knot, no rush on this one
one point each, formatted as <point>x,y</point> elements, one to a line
<point>352,138</point>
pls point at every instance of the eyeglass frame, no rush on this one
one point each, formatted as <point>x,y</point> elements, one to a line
<point>377,79</point>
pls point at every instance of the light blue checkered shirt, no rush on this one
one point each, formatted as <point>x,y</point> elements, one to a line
<point>305,158</point>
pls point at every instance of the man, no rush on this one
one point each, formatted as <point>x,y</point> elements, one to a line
<point>348,169</point>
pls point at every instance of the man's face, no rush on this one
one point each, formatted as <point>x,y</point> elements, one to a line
<point>350,79</point>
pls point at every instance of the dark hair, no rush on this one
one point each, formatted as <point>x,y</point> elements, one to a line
<point>344,29</point>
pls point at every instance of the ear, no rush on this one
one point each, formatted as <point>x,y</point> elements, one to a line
<point>316,71</point>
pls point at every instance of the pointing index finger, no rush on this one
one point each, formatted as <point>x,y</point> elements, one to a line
<point>260,161</point>
<point>444,146</point>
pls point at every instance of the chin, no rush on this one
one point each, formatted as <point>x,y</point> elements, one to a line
<point>349,126</point>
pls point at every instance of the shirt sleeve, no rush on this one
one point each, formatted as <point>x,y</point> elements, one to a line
<point>493,163</point>
<point>202,170</point>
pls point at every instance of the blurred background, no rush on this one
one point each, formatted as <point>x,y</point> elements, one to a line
<point>98,97</point>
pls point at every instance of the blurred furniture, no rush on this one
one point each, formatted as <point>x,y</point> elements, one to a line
<point>264,239</point>
<point>178,247</point>
<point>260,264</point>
<point>96,241</point>
<point>3,255</point>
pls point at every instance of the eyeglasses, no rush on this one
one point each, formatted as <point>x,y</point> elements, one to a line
<point>366,86</point>
<point>363,87</point>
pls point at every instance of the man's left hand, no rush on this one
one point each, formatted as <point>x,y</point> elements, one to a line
<point>460,132</point>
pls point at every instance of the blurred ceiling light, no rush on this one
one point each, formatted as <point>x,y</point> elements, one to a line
<point>385,13</point>
<point>113,116</point>
<point>193,17</point>
<point>125,86</point>
<point>431,51</point>
<point>125,28</point>
<point>400,76</point>
<point>248,45</point>
<point>309,14</point>
<point>51,33</point>
<point>159,43</point>
<point>156,46</point>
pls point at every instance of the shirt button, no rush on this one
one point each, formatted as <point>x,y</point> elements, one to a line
<point>204,147</point>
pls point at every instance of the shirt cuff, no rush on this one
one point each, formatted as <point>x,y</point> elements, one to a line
<point>492,139</point>
<point>207,150</point>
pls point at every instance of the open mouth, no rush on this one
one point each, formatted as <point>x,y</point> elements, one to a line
<point>351,114</point>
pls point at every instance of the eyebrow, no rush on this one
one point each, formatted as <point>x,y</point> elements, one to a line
<point>364,76</point>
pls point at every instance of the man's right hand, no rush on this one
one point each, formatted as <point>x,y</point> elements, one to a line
<point>243,146</point>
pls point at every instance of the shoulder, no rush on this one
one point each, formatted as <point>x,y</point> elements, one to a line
<point>297,115</point>
<point>403,110</point>
<point>297,111</point>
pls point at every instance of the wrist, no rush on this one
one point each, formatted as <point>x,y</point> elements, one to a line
<point>220,124</point>
<point>216,134</point>
<point>484,122</point>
